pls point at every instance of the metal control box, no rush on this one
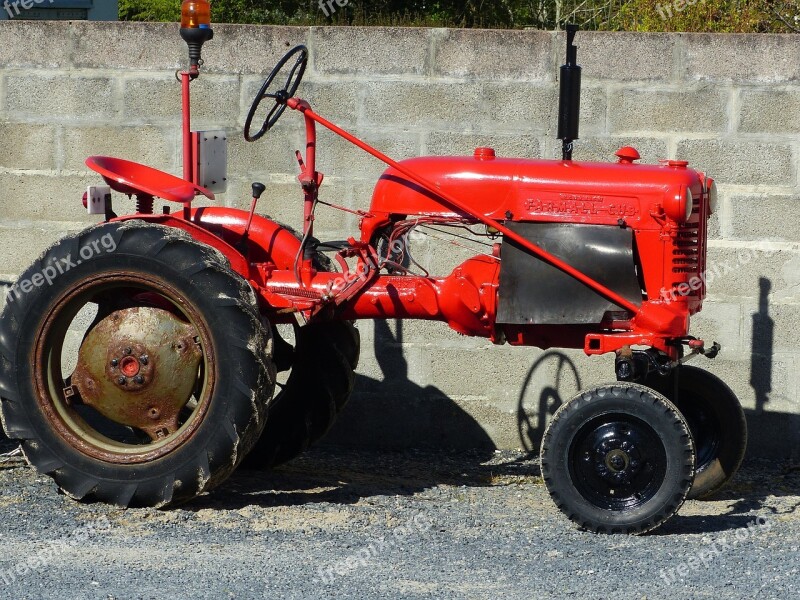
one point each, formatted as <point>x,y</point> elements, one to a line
<point>211,163</point>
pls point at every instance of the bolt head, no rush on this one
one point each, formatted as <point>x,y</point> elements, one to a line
<point>139,380</point>
<point>114,362</point>
<point>122,381</point>
<point>624,370</point>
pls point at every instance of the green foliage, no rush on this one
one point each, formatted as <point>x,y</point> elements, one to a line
<point>149,10</point>
<point>628,15</point>
<point>720,16</point>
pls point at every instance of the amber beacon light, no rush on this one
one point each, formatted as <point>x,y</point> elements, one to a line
<point>196,27</point>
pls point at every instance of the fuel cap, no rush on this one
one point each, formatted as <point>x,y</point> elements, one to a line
<point>484,153</point>
<point>627,154</point>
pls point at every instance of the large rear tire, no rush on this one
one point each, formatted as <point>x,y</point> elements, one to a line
<point>141,373</point>
<point>322,364</point>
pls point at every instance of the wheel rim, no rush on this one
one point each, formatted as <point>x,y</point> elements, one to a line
<point>617,462</point>
<point>147,333</point>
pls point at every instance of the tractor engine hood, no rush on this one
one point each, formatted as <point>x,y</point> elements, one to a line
<point>540,190</point>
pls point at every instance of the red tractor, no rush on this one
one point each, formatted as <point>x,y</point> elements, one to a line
<point>138,358</point>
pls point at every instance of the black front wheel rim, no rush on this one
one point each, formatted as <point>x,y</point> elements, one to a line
<point>617,462</point>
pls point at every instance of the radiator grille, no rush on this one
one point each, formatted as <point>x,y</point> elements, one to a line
<point>686,253</point>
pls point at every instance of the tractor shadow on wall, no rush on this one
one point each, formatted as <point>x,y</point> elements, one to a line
<point>394,413</point>
<point>388,416</point>
<point>771,433</point>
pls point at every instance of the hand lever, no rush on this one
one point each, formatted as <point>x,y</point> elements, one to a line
<point>258,189</point>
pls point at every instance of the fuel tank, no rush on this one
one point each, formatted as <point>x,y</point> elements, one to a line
<point>539,190</point>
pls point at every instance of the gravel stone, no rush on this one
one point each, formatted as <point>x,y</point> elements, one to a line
<point>345,524</point>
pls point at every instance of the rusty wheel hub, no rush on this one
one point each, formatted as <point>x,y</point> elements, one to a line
<point>138,367</point>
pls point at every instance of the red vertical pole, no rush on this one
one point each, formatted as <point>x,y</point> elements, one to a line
<point>186,79</point>
<point>310,181</point>
<point>309,178</point>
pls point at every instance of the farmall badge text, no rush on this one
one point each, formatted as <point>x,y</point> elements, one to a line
<point>578,204</point>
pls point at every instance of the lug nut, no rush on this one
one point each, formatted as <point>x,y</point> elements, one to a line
<point>114,362</point>
<point>143,359</point>
<point>138,380</point>
<point>122,381</point>
<point>128,351</point>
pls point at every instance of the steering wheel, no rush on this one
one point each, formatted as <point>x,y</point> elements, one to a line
<point>281,95</point>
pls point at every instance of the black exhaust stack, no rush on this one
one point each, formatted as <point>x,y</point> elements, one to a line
<point>569,100</point>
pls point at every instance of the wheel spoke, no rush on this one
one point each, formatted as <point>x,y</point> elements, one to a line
<point>163,430</point>
<point>289,79</point>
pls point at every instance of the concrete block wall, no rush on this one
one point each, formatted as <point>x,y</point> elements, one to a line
<point>730,104</point>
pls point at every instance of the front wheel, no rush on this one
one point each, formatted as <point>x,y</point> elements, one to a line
<point>717,423</point>
<point>618,459</point>
<point>138,372</point>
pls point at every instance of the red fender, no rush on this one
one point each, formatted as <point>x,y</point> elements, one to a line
<point>268,241</point>
<point>221,228</point>
<point>238,262</point>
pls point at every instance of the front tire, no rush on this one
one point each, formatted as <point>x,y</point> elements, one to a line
<point>618,459</point>
<point>171,380</point>
<point>717,423</point>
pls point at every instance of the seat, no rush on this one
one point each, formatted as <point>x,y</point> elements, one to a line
<point>134,179</point>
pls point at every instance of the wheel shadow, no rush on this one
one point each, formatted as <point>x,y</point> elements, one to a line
<point>550,382</point>
<point>761,490</point>
<point>347,476</point>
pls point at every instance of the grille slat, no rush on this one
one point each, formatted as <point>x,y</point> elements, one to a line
<point>686,253</point>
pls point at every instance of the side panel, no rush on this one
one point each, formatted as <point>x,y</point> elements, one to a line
<point>533,292</point>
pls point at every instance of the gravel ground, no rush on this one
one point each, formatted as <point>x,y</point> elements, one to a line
<point>340,524</point>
